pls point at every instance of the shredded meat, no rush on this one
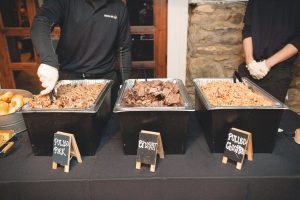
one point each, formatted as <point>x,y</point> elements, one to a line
<point>80,96</point>
<point>154,93</point>
<point>224,93</point>
<point>40,101</point>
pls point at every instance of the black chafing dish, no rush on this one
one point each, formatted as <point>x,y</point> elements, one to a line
<point>171,122</point>
<point>86,124</point>
<point>261,121</point>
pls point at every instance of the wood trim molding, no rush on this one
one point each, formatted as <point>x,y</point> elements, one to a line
<point>142,29</point>
<point>6,75</point>
<point>31,10</point>
<point>160,38</point>
<point>143,64</point>
<point>23,66</point>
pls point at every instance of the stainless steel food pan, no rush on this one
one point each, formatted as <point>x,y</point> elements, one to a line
<point>92,109</point>
<point>87,125</point>
<point>261,121</point>
<point>198,82</point>
<point>171,122</point>
<point>187,102</point>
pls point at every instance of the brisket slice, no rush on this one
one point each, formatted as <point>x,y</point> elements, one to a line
<point>152,94</point>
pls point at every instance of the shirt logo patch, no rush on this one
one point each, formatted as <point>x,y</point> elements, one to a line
<point>111,16</point>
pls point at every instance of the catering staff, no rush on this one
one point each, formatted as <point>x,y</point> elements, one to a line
<point>271,41</point>
<point>93,35</point>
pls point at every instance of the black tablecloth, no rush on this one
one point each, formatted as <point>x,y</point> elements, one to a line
<point>198,174</point>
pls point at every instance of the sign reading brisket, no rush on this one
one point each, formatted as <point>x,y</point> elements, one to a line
<point>155,93</point>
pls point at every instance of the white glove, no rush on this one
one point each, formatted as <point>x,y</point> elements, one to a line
<point>262,66</point>
<point>48,76</point>
<point>254,70</point>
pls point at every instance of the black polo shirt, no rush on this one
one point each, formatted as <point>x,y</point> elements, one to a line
<point>92,33</point>
<point>272,24</point>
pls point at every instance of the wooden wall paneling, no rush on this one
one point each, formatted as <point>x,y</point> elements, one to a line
<point>23,66</point>
<point>31,6</point>
<point>6,67</point>
<point>142,29</point>
<point>31,10</point>
<point>2,72</point>
<point>16,31</point>
<point>6,76</point>
<point>145,64</point>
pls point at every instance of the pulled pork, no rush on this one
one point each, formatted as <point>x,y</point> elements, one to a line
<point>224,93</point>
<point>79,96</point>
<point>154,93</point>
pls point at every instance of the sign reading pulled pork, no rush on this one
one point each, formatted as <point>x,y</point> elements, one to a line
<point>61,148</point>
<point>64,148</point>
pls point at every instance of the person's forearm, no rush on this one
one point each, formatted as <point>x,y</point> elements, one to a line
<point>285,53</point>
<point>248,49</point>
<point>41,39</point>
<point>125,63</point>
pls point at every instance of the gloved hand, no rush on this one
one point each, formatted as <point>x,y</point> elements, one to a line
<point>262,66</point>
<point>254,69</point>
<point>48,76</point>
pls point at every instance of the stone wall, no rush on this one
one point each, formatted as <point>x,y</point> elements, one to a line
<point>294,92</point>
<point>215,44</point>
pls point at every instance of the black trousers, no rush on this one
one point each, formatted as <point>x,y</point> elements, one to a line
<point>276,82</point>
<point>113,75</point>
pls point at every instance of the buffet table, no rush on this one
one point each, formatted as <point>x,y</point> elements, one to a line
<point>198,174</point>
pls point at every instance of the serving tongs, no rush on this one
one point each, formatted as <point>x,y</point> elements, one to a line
<point>53,96</point>
<point>237,76</point>
<point>137,77</point>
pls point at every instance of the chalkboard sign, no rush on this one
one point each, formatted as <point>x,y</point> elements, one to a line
<point>64,148</point>
<point>238,144</point>
<point>61,148</point>
<point>149,145</point>
<point>5,135</point>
